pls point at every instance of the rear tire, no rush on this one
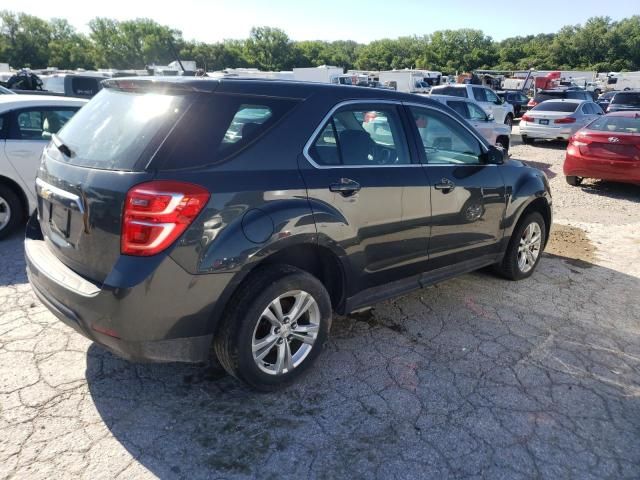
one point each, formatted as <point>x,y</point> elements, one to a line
<point>527,140</point>
<point>11,211</point>
<point>573,180</point>
<point>259,343</point>
<point>529,236</point>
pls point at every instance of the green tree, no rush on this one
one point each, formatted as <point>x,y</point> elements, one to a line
<point>25,40</point>
<point>67,48</point>
<point>268,48</point>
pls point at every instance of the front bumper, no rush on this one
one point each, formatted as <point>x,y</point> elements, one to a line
<point>167,317</point>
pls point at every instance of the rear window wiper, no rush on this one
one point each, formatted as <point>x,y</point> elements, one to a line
<point>65,150</point>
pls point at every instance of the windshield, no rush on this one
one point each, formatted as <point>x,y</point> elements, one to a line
<point>113,130</point>
<point>616,124</point>
<point>627,98</point>
<point>551,106</point>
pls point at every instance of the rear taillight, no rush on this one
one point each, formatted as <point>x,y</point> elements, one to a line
<point>565,120</point>
<point>532,103</point>
<point>157,213</point>
<point>527,118</point>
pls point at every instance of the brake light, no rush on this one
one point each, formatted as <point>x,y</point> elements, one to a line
<point>565,120</point>
<point>157,213</point>
<point>532,103</point>
<point>527,118</point>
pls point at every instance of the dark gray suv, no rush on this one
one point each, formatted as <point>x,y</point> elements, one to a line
<point>183,218</point>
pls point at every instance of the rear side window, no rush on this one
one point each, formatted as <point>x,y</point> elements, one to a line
<point>115,129</point>
<point>551,106</point>
<point>220,126</point>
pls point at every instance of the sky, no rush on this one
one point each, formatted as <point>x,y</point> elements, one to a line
<point>362,20</point>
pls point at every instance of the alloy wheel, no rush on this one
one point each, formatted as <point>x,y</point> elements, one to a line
<point>530,247</point>
<point>286,332</point>
<point>5,213</point>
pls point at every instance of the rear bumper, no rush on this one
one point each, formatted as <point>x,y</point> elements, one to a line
<point>612,170</point>
<point>167,317</point>
<point>544,132</point>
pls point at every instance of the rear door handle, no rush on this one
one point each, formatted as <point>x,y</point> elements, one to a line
<point>445,184</point>
<point>346,187</point>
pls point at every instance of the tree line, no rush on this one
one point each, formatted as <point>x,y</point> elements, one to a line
<point>600,44</point>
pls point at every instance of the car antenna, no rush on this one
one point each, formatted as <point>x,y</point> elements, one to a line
<point>175,53</point>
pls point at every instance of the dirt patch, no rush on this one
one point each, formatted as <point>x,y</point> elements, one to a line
<point>571,243</point>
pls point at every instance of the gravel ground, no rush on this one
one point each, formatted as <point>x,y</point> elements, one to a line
<point>475,377</point>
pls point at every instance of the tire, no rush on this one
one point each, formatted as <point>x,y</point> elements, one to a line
<point>245,325</point>
<point>510,267</point>
<point>504,143</point>
<point>527,140</point>
<point>11,211</point>
<point>573,180</point>
<point>509,121</point>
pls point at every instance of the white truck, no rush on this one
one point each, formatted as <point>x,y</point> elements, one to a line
<point>409,81</point>
<point>626,81</point>
<point>321,74</point>
<point>484,96</point>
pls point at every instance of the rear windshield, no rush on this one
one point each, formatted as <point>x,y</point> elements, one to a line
<point>543,97</point>
<point>115,128</point>
<point>453,91</point>
<point>616,124</point>
<point>85,86</point>
<point>628,98</point>
<point>551,106</point>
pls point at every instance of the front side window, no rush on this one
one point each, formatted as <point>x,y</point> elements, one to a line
<point>491,97</point>
<point>358,135</point>
<point>445,140</point>
<point>477,113</point>
<point>480,94</point>
<point>41,124</point>
<point>460,107</point>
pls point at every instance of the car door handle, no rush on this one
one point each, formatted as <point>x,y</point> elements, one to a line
<point>445,185</point>
<point>346,187</point>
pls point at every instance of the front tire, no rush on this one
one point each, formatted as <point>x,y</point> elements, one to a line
<point>573,180</point>
<point>11,211</point>
<point>275,327</point>
<point>503,142</point>
<point>525,248</point>
<point>509,121</point>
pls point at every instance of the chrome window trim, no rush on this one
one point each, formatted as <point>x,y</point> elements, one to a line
<point>328,116</point>
<point>46,191</point>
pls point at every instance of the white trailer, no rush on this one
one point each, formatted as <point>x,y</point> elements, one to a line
<point>321,74</point>
<point>409,81</point>
<point>627,81</point>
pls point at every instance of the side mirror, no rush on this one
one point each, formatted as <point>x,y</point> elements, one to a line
<point>495,156</point>
<point>499,101</point>
<point>490,118</point>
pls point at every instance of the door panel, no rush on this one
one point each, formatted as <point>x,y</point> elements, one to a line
<point>467,197</point>
<point>368,197</point>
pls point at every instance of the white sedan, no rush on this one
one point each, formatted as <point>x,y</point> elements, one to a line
<point>27,123</point>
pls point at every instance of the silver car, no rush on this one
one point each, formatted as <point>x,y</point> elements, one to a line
<point>557,119</point>
<point>496,133</point>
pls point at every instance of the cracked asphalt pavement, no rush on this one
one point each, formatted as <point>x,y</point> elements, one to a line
<point>476,377</point>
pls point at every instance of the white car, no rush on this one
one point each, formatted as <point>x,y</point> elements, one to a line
<point>486,98</point>
<point>557,119</point>
<point>496,133</point>
<point>27,123</point>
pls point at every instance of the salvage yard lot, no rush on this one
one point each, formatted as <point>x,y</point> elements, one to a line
<point>475,377</point>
